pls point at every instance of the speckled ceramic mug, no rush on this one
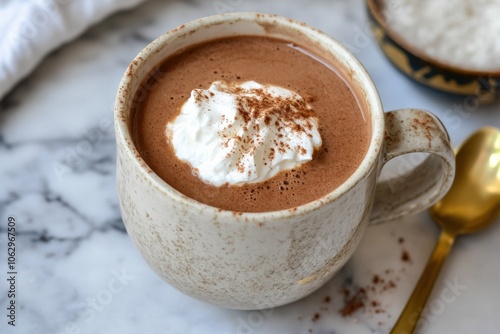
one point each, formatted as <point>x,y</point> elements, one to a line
<point>261,260</point>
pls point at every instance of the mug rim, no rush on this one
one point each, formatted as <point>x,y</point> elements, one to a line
<point>367,87</point>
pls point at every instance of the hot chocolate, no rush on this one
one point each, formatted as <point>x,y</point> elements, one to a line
<point>343,125</point>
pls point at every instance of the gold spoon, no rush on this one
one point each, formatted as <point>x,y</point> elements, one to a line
<point>472,203</point>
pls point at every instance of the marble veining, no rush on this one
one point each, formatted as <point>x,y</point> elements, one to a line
<point>78,270</point>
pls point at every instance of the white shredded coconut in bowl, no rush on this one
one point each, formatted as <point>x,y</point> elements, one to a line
<point>461,33</point>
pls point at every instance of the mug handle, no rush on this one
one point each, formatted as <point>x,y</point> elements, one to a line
<point>412,131</point>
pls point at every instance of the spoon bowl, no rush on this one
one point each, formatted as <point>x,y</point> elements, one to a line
<point>470,205</point>
<point>473,200</point>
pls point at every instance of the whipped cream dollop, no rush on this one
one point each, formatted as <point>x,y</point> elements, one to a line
<point>237,133</point>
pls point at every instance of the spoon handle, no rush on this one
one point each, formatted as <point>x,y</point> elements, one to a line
<point>408,319</point>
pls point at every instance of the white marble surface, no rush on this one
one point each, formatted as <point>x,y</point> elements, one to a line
<point>57,179</point>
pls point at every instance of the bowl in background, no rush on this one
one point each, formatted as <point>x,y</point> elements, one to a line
<point>426,70</point>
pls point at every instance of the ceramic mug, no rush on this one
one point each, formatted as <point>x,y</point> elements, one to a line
<point>260,260</point>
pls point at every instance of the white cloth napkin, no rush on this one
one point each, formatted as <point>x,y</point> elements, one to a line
<point>29,29</point>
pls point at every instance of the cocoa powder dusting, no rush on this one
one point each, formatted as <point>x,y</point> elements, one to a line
<point>354,302</point>
<point>405,256</point>
<point>256,106</point>
<point>366,298</point>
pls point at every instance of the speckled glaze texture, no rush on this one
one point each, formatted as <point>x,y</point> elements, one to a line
<point>262,260</point>
<point>413,131</point>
